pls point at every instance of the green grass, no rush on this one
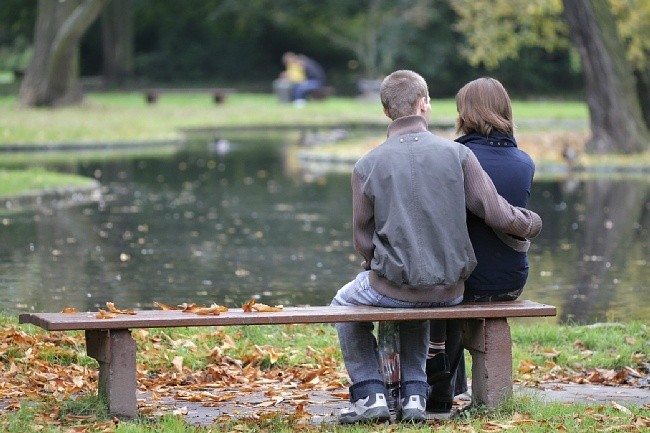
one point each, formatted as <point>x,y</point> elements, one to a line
<point>126,116</point>
<point>21,182</point>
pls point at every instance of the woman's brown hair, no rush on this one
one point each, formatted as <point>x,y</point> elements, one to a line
<point>484,107</point>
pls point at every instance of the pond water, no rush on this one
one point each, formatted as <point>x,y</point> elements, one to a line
<point>224,224</point>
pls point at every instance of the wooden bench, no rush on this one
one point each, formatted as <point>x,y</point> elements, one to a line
<point>218,95</point>
<point>486,334</point>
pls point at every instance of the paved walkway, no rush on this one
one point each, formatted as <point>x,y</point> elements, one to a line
<point>323,406</point>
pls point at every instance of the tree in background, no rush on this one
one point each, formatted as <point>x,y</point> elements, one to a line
<point>614,55</point>
<point>16,23</point>
<point>117,41</point>
<point>52,75</point>
<point>617,122</point>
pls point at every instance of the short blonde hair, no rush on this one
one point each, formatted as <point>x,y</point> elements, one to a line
<point>484,107</point>
<point>401,91</point>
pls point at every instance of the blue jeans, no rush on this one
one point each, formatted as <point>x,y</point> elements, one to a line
<point>359,346</point>
<point>302,89</point>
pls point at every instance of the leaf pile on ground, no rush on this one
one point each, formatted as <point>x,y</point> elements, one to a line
<point>197,367</point>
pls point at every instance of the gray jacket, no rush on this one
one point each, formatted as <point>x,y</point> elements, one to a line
<point>409,204</point>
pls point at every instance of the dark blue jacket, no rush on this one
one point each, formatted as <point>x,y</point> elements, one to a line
<point>500,268</point>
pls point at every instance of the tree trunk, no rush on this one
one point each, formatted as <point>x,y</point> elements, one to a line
<point>52,77</point>
<point>643,90</point>
<point>617,122</point>
<point>117,41</point>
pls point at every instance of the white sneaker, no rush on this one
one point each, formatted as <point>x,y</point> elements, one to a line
<point>370,409</point>
<point>413,409</point>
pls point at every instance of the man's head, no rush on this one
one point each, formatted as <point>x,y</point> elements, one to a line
<point>484,107</point>
<point>404,93</point>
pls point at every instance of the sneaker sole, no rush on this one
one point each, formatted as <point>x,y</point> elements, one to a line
<point>438,415</point>
<point>378,414</point>
<point>412,416</point>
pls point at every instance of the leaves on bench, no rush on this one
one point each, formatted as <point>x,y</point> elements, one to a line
<point>111,307</point>
<point>214,309</point>
<point>112,312</point>
<point>164,306</point>
<point>103,314</point>
<point>251,306</point>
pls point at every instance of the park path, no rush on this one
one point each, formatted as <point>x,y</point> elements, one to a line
<point>323,406</point>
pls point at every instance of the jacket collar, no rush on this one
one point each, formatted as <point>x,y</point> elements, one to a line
<point>407,125</point>
<point>496,139</point>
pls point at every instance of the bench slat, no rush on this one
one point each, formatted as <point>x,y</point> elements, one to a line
<point>289,315</point>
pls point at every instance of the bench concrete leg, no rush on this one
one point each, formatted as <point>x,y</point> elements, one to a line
<point>490,344</point>
<point>115,352</point>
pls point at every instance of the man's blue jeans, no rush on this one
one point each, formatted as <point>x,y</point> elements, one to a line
<point>359,345</point>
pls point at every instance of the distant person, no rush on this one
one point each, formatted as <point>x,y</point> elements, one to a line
<point>409,201</point>
<point>486,122</point>
<point>294,70</point>
<point>315,79</point>
<point>293,74</point>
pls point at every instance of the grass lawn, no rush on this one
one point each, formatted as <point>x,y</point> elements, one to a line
<point>35,180</point>
<point>126,116</point>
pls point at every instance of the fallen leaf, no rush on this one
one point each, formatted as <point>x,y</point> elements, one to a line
<point>527,366</point>
<point>177,362</point>
<point>263,308</point>
<point>111,307</point>
<point>621,408</point>
<point>69,310</point>
<point>251,306</point>
<point>248,307</point>
<point>164,306</point>
<point>103,314</point>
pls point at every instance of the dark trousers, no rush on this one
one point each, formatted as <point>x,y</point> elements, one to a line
<point>445,387</point>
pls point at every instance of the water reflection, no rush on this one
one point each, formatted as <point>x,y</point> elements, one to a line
<point>204,226</point>
<point>609,215</point>
<point>591,257</point>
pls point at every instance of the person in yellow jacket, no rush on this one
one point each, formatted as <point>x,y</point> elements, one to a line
<point>294,69</point>
<point>293,75</point>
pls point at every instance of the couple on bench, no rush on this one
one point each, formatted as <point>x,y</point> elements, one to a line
<point>436,222</point>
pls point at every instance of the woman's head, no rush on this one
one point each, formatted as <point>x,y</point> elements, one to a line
<point>401,92</point>
<point>484,107</point>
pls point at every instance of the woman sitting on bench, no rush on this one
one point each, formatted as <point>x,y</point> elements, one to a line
<point>485,119</point>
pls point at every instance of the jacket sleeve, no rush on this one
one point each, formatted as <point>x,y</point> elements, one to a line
<point>482,199</point>
<point>363,222</point>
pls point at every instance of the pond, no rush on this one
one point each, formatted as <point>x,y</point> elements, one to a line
<point>224,223</point>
